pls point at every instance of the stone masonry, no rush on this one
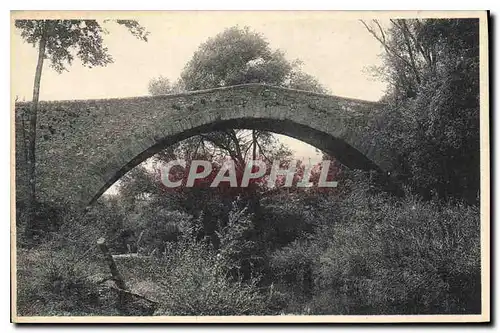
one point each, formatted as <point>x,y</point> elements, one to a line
<point>84,146</point>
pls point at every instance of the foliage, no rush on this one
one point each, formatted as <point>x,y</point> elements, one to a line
<point>69,38</point>
<point>236,56</point>
<point>155,228</point>
<point>357,251</point>
<point>238,249</point>
<point>159,86</point>
<point>239,55</point>
<point>373,254</point>
<point>354,250</point>
<point>162,86</point>
<point>293,264</point>
<point>60,41</point>
<point>50,284</point>
<point>199,284</point>
<point>432,118</point>
<point>203,280</point>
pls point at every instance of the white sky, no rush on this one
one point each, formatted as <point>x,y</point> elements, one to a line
<point>336,51</point>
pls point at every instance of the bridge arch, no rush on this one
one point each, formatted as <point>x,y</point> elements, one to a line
<point>83,147</point>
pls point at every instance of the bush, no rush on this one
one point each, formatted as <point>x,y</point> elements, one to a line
<point>48,219</point>
<point>397,257</point>
<point>50,285</point>
<point>62,273</point>
<point>156,229</point>
<point>293,265</point>
<point>200,284</point>
<point>198,279</point>
<point>355,251</point>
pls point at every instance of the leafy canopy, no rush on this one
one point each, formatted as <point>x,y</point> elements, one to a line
<point>432,116</point>
<point>67,39</point>
<point>239,55</point>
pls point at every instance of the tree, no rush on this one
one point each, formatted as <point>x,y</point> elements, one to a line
<point>234,56</point>
<point>60,41</point>
<point>162,86</point>
<point>237,56</point>
<point>159,86</point>
<point>432,118</point>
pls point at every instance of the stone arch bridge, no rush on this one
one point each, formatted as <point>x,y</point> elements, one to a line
<point>84,146</point>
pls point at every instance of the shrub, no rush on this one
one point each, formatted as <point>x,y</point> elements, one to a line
<point>293,265</point>
<point>50,285</point>
<point>156,229</point>
<point>397,257</point>
<point>200,284</point>
<point>238,245</point>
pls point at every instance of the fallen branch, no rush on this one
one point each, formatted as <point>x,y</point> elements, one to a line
<point>101,242</point>
<point>128,292</point>
<point>117,277</point>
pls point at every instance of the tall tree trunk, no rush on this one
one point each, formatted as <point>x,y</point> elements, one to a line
<point>31,137</point>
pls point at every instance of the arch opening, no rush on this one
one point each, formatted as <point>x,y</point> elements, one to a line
<point>343,152</point>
